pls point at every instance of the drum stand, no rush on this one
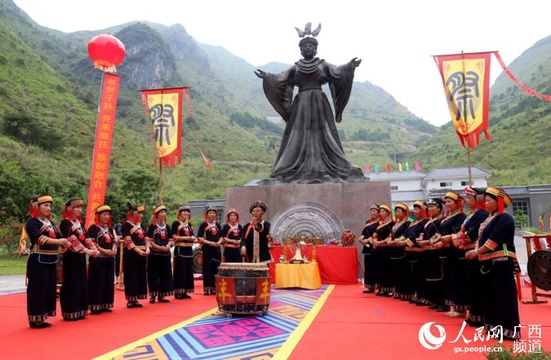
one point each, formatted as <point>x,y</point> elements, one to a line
<point>537,246</point>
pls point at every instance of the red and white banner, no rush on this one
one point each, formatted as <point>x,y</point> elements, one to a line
<point>523,87</point>
<point>102,144</point>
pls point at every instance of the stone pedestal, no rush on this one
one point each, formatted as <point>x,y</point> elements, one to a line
<point>312,209</point>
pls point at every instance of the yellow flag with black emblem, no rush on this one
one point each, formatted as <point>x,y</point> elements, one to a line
<point>163,107</point>
<point>466,80</point>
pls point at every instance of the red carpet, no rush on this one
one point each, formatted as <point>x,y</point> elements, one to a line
<point>349,325</point>
<point>355,325</point>
<point>94,336</point>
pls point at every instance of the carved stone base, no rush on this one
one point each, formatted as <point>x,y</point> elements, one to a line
<point>310,210</point>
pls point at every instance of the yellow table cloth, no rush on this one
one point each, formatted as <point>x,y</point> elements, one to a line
<point>306,276</point>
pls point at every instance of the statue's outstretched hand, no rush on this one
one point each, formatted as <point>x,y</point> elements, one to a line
<point>259,73</point>
<point>356,62</point>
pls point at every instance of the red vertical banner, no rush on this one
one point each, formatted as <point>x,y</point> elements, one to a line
<point>102,144</point>
<point>466,80</point>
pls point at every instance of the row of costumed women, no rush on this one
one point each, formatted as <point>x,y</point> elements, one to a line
<point>460,264</point>
<point>149,264</point>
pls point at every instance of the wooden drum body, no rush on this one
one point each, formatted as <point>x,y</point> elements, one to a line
<point>243,288</point>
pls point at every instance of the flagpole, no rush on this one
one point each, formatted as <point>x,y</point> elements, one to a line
<point>161,162</point>
<point>160,181</point>
<point>465,118</point>
<point>469,165</point>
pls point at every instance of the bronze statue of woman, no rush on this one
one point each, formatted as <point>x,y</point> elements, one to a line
<point>311,151</point>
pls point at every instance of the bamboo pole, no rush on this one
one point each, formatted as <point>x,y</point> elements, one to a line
<point>120,285</point>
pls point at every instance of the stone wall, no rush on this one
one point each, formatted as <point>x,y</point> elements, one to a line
<point>348,203</point>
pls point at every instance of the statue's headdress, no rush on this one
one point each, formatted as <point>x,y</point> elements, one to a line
<point>307,35</point>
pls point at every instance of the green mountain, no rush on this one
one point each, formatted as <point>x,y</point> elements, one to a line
<point>48,108</point>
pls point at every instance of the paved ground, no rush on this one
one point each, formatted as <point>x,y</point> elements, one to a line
<point>11,283</point>
<point>520,250</point>
<point>16,283</point>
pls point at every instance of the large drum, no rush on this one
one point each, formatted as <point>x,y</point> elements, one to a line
<point>243,288</point>
<point>539,269</point>
<point>197,259</point>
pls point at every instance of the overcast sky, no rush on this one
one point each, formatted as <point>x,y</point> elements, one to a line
<point>394,38</point>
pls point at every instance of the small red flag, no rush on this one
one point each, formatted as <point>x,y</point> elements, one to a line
<point>209,165</point>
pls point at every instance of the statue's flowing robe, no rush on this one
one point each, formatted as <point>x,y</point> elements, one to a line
<point>311,150</point>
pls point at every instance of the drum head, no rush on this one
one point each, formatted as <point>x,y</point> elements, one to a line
<point>197,261</point>
<point>539,269</point>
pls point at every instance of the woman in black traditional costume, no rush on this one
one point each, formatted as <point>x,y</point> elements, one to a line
<point>101,272</point>
<point>73,295</point>
<point>466,274</point>
<point>209,235</point>
<point>383,267</point>
<point>134,257</point>
<point>455,292</point>
<point>367,250</point>
<point>231,233</point>
<point>496,253</point>
<point>414,278</point>
<point>466,240</point>
<point>256,235</point>
<point>159,267</point>
<point>41,266</point>
<point>184,239</point>
<point>432,265</point>
<point>398,260</point>
<point>311,150</point>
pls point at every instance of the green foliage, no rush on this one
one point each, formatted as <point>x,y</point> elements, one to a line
<point>421,126</point>
<point>514,354</point>
<point>11,264</point>
<point>521,218</point>
<point>48,111</point>
<point>9,236</point>
<point>366,135</point>
<point>139,186</point>
<point>28,130</point>
<point>246,120</point>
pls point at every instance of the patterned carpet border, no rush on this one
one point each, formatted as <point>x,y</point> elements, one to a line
<point>213,335</point>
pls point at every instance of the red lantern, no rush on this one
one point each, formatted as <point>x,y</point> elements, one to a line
<point>106,51</point>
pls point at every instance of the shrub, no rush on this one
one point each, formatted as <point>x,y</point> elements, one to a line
<point>511,354</point>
